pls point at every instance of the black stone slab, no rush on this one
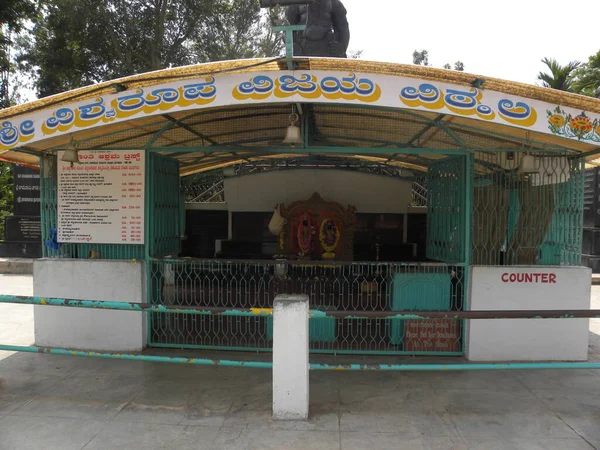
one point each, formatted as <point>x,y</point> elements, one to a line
<point>23,229</point>
<point>20,250</point>
<point>26,189</point>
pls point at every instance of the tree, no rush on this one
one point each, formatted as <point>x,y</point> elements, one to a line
<point>560,77</point>
<point>82,42</point>
<point>421,58</point>
<point>6,195</point>
<point>355,54</point>
<point>13,14</point>
<point>587,77</point>
<point>238,30</point>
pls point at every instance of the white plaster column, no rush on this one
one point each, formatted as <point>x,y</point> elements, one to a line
<point>528,288</point>
<point>89,329</point>
<point>290,357</point>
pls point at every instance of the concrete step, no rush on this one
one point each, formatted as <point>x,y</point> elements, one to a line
<point>16,266</point>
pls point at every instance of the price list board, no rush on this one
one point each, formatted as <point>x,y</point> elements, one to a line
<point>101,198</point>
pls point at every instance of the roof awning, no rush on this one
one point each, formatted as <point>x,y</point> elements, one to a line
<point>213,115</point>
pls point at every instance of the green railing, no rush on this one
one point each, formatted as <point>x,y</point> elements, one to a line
<point>365,315</point>
<point>351,287</point>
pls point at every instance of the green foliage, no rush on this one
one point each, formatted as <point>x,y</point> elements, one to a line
<point>587,77</point>
<point>13,15</point>
<point>421,58</point>
<point>82,42</point>
<point>14,12</point>
<point>6,195</point>
<point>560,77</point>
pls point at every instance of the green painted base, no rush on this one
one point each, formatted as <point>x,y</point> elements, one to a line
<point>312,351</point>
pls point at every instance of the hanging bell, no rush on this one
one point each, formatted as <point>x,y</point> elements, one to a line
<point>71,154</point>
<point>528,165</point>
<point>292,135</point>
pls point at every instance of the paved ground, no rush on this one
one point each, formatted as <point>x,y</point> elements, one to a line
<point>49,402</point>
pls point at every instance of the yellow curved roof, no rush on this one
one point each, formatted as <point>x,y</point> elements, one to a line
<point>250,130</point>
<point>351,65</point>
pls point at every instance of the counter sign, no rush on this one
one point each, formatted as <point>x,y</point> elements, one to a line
<point>101,199</point>
<point>529,277</point>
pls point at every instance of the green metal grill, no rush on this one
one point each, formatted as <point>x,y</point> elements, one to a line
<point>446,205</point>
<point>330,286</point>
<point>527,218</point>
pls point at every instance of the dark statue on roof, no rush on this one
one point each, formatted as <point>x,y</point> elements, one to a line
<point>327,32</point>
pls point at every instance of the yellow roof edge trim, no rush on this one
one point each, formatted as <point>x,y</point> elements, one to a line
<point>566,99</point>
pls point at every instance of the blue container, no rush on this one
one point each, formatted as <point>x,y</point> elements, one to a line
<point>418,291</point>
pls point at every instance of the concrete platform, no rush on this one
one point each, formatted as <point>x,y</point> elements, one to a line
<point>66,403</point>
<point>16,266</point>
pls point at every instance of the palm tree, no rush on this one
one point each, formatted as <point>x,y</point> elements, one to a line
<point>560,77</point>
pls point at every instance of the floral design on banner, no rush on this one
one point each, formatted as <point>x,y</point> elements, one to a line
<point>11,135</point>
<point>580,127</point>
<point>309,87</point>
<point>161,99</point>
<point>467,103</point>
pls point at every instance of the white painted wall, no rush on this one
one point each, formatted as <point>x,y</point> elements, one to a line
<point>89,329</point>
<point>369,193</point>
<point>290,357</point>
<point>529,339</point>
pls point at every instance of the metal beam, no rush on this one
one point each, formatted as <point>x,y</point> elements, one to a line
<point>428,127</point>
<point>189,129</point>
<point>318,149</point>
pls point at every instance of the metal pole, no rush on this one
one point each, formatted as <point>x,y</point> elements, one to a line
<point>139,307</point>
<point>131,357</point>
<point>454,367</point>
<point>338,367</point>
<point>314,314</point>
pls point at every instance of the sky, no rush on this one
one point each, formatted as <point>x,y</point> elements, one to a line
<point>502,39</point>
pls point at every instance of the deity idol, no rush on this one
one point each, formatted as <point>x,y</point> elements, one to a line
<point>327,32</point>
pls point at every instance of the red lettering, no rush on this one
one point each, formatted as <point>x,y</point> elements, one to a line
<point>537,277</point>
<point>552,278</point>
<point>544,278</point>
<point>513,277</point>
<point>505,278</point>
<point>528,278</point>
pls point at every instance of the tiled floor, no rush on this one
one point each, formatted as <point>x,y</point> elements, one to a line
<point>54,402</point>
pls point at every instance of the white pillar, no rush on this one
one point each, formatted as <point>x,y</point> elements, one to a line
<point>290,357</point>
